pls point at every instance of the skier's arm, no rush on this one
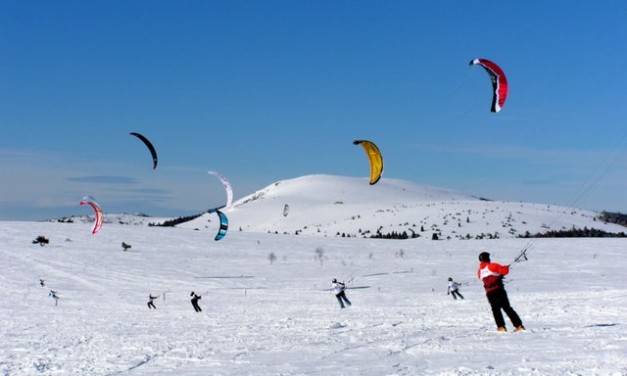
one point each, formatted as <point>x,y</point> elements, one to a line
<point>502,269</point>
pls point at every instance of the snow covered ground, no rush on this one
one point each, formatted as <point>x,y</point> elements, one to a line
<point>277,319</point>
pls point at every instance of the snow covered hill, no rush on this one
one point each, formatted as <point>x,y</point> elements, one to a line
<point>262,318</point>
<point>326,205</point>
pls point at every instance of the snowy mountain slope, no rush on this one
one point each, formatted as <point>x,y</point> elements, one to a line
<point>328,205</point>
<point>269,319</point>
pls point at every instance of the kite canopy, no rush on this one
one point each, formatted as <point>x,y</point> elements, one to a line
<point>227,187</point>
<point>499,82</point>
<point>375,158</point>
<point>88,200</point>
<point>150,147</point>
<point>224,225</point>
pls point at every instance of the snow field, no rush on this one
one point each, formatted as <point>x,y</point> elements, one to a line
<point>269,319</point>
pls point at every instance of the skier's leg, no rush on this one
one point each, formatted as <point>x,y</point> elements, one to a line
<point>345,298</point>
<point>513,316</point>
<point>148,304</point>
<point>339,299</point>
<point>495,304</point>
<point>453,294</point>
<point>460,295</point>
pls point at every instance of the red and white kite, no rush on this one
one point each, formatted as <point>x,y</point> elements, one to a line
<point>97,211</point>
<point>499,82</point>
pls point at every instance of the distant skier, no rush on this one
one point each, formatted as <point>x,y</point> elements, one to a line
<point>42,283</point>
<point>151,304</point>
<point>195,299</point>
<point>492,275</point>
<point>53,295</point>
<point>453,289</point>
<point>126,247</point>
<point>338,288</point>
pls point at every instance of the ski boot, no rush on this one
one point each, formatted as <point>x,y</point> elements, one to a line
<point>519,329</point>
<point>501,329</point>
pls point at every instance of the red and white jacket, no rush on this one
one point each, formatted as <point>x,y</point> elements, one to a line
<point>492,274</point>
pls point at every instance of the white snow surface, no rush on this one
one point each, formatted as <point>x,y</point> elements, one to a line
<point>278,319</point>
<point>326,205</point>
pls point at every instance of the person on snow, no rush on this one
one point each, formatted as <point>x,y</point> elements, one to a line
<point>491,274</point>
<point>42,283</point>
<point>338,288</point>
<point>195,299</point>
<point>453,288</point>
<point>151,303</point>
<point>53,295</point>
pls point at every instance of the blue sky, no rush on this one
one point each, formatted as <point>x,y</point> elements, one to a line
<point>262,91</point>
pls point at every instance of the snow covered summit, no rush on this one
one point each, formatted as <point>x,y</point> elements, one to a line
<point>326,205</point>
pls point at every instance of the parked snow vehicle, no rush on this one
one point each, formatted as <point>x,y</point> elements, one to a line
<point>499,82</point>
<point>227,187</point>
<point>41,240</point>
<point>150,147</point>
<point>99,216</point>
<point>375,157</point>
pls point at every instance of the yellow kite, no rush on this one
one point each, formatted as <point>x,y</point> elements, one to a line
<point>375,157</point>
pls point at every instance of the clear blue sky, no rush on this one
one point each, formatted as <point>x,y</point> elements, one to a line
<point>267,90</point>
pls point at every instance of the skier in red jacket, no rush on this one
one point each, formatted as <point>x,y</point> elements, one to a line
<point>492,275</point>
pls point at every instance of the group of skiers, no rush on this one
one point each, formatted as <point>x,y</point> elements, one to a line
<point>490,273</point>
<point>52,294</point>
<point>194,300</point>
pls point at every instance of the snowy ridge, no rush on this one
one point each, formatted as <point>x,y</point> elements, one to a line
<point>325,205</point>
<point>113,218</point>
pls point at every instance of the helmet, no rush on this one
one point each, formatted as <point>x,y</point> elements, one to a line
<point>450,278</point>
<point>484,256</point>
<point>334,280</point>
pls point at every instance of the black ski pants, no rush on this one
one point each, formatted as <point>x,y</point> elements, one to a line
<point>341,297</point>
<point>196,306</point>
<point>151,305</point>
<point>455,292</point>
<point>499,301</point>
